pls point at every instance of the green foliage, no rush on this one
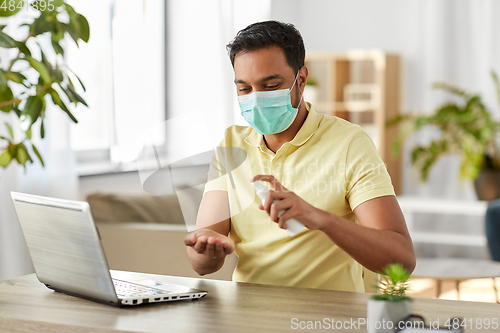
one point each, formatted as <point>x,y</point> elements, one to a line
<point>11,7</point>
<point>56,19</point>
<point>394,284</point>
<point>467,130</point>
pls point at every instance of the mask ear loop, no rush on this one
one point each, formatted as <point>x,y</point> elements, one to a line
<point>300,100</point>
<point>301,95</point>
<point>296,76</point>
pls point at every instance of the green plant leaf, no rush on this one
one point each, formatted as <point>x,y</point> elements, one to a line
<point>23,147</point>
<point>40,68</point>
<point>84,28</point>
<point>74,23</point>
<point>5,159</point>
<point>6,41</point>
<point>16,110</point>
<point>5,96</point>
<point>17,6</point>
<point>426,167</point>
<point>12,149</point>
<point>450,88</point>
<point>3,79</point>
<point>16,77</point>
<point>396,272</point>
<point>471,164</point>
<point>397,120</point>
<point>76,96</point>
<point>10,131</point>
<point>416,153</point>
<point>58,32</point>
<point>80,81</point>
<point>21,156</point>
<point>46,63</point>
<point>58,74</point>
<point>31,112</point>
<point>29,133</point>
<point>420,122</point>
<point>42,129</point>
<point>57,48</point>
<point>42,25</point>
<point>23,48</point>
<point>69,9</point>
<point>37,153</point>
<point>69,29</point>
<point>57,101</point>
<point>68,93</point>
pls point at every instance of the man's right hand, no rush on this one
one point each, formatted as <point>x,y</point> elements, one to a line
<point>210,244</point>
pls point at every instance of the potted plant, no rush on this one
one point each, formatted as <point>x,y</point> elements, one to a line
<point>386,309</point>
<point>25,97</point>
<point>467,130</point>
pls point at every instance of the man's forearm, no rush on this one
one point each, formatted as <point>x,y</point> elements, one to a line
<point>202,264</point>
<point>372,248</point>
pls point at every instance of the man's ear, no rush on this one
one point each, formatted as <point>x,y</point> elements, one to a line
<point>302,79</point>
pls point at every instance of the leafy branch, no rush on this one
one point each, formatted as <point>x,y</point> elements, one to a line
<point>56,20</point>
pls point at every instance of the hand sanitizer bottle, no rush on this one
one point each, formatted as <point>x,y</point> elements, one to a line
<point>294,226</point>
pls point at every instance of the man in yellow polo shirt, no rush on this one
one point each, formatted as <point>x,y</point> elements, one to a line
<point>322,171</point>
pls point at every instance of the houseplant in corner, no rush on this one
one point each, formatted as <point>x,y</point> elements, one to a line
<point>466,129</point>
<point>19,93</point>
<point>385,310</point>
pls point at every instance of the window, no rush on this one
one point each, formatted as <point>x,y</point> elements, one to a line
<point>123,69</point>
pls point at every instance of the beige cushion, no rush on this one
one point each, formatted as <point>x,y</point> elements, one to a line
<point>140,207</point>
<point>153,248</point>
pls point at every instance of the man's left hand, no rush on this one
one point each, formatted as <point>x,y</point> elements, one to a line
<point>294,206</point>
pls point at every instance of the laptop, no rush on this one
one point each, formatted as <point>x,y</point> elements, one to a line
<point>67,254</point>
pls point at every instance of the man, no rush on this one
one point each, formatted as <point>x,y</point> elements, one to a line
<point>323,171</point>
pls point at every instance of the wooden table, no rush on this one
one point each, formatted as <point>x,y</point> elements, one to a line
<point>28,306</point>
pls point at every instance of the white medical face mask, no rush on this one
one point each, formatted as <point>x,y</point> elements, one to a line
<point>269,112</point>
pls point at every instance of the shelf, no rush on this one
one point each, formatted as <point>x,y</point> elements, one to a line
<point>363,87</point>
<point>448,239</point>
<point>443,206</point>
<point>414,205</point>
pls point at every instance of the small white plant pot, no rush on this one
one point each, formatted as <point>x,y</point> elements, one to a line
<point>384,316</point>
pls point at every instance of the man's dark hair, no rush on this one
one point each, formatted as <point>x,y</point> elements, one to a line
<point>270,33</point>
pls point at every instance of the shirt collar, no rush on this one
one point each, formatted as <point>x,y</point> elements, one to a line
<point>305,132</point>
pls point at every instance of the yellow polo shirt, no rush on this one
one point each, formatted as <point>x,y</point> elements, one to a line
<point>330,163</point>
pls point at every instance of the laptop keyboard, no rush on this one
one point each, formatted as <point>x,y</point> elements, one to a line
<point>127,289</point>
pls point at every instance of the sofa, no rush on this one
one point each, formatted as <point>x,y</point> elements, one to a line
<point>145,233</point>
